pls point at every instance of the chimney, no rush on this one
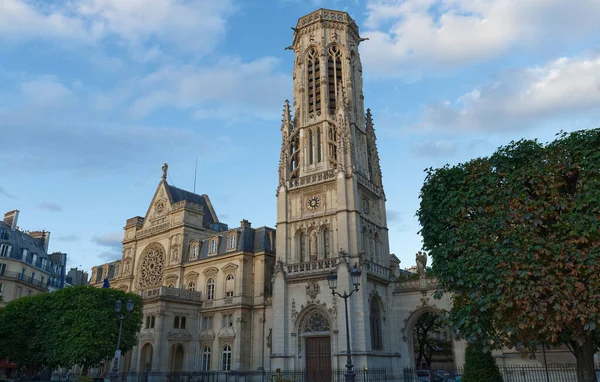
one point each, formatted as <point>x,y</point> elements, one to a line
<point>11,218</point>
<point>42,236</point>
<point>245,224</point>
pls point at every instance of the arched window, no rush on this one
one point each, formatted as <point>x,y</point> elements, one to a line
<point>226,358</point>
<point>377,249</point>
<point>325,243</point>
<point>232,242</point>
<point>313,76</point>
<point>210,289</point>
<point>301,247</point>
<point>213,246</point>
<point>182,322</point>
<point>206,358</point>
<point>375,321</point>
<point>176,322</point>
<point>171,286</point>
<point>334,75</point>
<point>192,286</point>
<point>229,285</point>
<point>311,148</point>
<point>195,250</point>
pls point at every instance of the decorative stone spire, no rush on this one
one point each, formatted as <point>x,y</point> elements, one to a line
<point>165,168</point>
<point>286,122</point>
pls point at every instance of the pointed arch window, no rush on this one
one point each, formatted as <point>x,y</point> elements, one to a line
<point>210,289</point>
<point>325,243</point>
<point>313,78</point>
<point>301,246</point>
<point>375,321</point>
<point>206,358</point>
<point>334,75</point>
<point>319,156</point>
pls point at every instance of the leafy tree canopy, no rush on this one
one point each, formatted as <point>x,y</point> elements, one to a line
<point>75,325</point>
<point>516,238</point>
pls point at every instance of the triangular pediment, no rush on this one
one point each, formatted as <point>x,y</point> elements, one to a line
<point>230,267</point>
<point>159,207</point>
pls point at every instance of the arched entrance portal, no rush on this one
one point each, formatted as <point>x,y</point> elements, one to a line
<point>177,356</point>
<point>431,342</point>
<point>314,332</point>
<point>146,358</point>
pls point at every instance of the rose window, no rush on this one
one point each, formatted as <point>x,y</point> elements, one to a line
<point>152,265</point>
<point>316,322</point>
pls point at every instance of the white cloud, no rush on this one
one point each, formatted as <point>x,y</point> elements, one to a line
<point>45,91</point>
<point>112,239</point>
<point>230,88</point>
<point>522,98</point>
<point>190,25</point>
<point>405,34</point>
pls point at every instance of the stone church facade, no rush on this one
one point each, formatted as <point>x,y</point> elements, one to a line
<point>217,298</point>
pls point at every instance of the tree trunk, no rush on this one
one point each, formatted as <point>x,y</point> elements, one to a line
<point>584,353</point>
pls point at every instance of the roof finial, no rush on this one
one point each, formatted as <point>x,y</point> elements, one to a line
<point>165,167</point>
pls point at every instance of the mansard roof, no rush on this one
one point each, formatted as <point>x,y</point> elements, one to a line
<point>178,195</point>
<point>247,239</point>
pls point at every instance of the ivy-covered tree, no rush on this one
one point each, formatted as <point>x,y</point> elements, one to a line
<point>516,238</point>
<point>73,326</point>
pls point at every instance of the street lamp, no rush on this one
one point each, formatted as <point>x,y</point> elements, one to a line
<point>332,281</point>
<point>121,317</point>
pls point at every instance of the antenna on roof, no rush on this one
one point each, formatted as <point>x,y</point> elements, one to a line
<point>195,172</point>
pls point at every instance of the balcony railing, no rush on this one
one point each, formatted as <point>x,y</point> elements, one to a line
<point>26,279</point>
<point>316,267</point>
<point>377,270</point>
<point>175,293</point>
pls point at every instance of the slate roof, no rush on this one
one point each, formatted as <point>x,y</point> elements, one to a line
<point>19,240</point>
<point>177,195</point>
<point>249,239</point>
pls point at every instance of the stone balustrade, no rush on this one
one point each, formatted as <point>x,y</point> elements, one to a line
<point>175,293</point>
<point>423,283</point>
<point>322,266</point>
<point>377,270</point>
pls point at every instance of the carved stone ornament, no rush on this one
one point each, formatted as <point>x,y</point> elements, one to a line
<point>179,334</point>
<point>315,322</point>
<point>312,289</point>
<point>153,259</point>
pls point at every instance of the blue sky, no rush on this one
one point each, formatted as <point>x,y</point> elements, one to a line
<point>95,95</point>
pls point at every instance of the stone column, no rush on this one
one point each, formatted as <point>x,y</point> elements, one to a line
<point>159,344</point>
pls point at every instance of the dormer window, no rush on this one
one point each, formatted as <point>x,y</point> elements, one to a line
<point>213,246</point>
<point>232,242</point>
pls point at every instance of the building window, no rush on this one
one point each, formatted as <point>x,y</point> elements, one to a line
<point>171,286</point>
<point>226,358</point>
<point>311,147</point>
<point>24,254</point>
<point>182,322</point>
<point>192,286</point>
<point>152,321</point>
<point>207,323</point>
<point>319,156</point>
<point>301,246</point>
<point>325,243</point>
<point>314,78</point>
<point>176,322</point>
<point>5,250</point>
<point>229,285</point>
<point>210,289</point>
<point>206,358</point>
<point>2,269</point>
<point>232,242</point>
<point>375,321</point>
<point>147,322</point>
<point>195,249</point>
<point>1,289</point>
<point>230,320</point>
<point>334,75</point>
<point>213,246</point>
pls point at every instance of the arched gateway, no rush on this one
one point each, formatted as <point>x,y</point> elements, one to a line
<point>314,344</point>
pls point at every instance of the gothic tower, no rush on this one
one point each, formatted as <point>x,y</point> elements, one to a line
<point>330,208</point>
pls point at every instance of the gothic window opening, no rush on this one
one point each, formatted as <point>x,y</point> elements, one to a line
<point>210,289</point>
<point>152,322</point>
<point>313,77</point>
<point>334,75</point>
<point>375,321</point>
<point>147,322</point>
<point>206,358</point>
<point>311,148</point>
<point>226,358</point>
<point>301,246</point>
<point>319,156</point>
<point>365,243</point>
<point>325,243</point>
<point>377,248</point>
<point>229,284</point>
<point>315,323</point>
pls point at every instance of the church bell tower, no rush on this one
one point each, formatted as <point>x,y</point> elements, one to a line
<point>330,206</point>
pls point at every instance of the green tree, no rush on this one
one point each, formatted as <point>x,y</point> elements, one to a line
<point>480,365</point>
<point>515,237</point>
<point>73,326</point>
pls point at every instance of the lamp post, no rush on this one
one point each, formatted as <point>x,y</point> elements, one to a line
<point>121,317</point>
<point>332,281</point>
